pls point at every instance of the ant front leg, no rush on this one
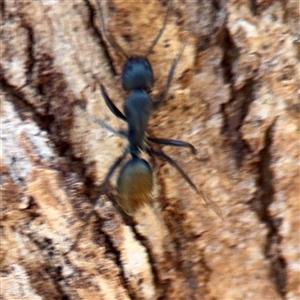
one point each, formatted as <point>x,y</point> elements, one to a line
<point>111,105</point>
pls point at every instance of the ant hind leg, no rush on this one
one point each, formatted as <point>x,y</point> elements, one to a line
<point>176,166</point>
<point>102,190</point>
<point>207,201</point>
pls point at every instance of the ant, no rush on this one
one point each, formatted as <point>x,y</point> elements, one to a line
<point>135,180</point>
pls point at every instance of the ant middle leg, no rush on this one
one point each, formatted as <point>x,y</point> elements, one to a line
<point>175,143</point>
<point>103,124</point>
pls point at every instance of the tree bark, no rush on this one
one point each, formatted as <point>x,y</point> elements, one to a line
<point>233,96</point>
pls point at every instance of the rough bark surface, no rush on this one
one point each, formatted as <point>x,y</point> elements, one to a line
<point>233,96</point>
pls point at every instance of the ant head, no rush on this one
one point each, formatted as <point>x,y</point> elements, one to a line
<point>134,185</point>
<point>137,73</point>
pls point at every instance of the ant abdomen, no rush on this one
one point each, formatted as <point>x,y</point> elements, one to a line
<point>137,74</point>
<point>134,185</point>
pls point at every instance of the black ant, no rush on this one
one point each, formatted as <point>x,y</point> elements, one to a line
<point>135,180</point>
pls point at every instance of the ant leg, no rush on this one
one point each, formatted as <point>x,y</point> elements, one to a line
<point>164,93</point>
<point>102,190</point>
<point>103,124</point>
<point>112,169</point>
<point>176,166</point>
<point>176,143</point>
<point>208,202</point>
<point>111,105</point>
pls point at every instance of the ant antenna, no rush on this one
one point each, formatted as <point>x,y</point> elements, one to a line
<point>164,93</point>
<point>109,37</point>
<point>161,29</point>
<point>114,43</point>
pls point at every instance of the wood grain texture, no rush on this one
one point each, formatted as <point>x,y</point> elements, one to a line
<point>233,96</point>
